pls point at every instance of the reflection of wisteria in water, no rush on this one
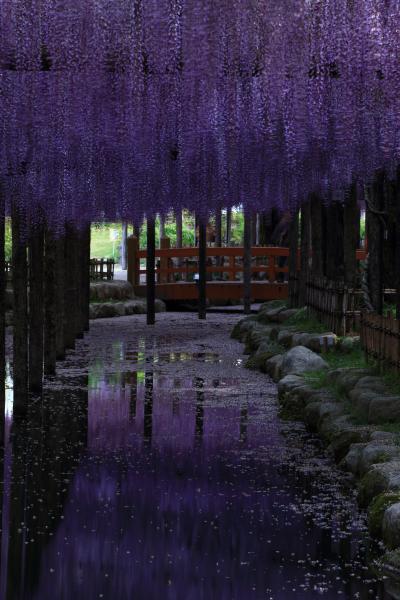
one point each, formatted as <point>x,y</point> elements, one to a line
<point>173,479</point>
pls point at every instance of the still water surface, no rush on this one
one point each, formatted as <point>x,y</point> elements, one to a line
<point>156,467</point>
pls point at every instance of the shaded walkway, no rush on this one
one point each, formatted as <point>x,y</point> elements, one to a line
<point>157,468</point>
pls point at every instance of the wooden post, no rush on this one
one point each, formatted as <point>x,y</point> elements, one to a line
<point>397,261</point>
<point>36,309</point>
<point>317,242</point>
<point>228,226</point>
<point>202,268</point>
<point>247,262</point>
<point>86,275</point>
<point>375,243</point>
<point>70,299</point>
<point>165,244</point>
<point>351,236</point>
<point>124,245</point>
<point>3,283</point>
<point>293,260</point>
<point>20,288</point>
<point>50,304</point>
<point>133,261</point>
<point>305,253</point>
<point>150,271</point>
<point>60,294</point>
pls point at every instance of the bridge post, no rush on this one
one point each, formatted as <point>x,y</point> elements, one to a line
<point>165,244</point>
<point>150,271</point>
<point>202,268</point>
<point>247,263</point>
<point>133,260</point>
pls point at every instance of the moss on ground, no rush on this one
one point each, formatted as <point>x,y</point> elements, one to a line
<point>273,304</point>
<point>303,322</point>
<point>377,509</point>
<point>257,361</point>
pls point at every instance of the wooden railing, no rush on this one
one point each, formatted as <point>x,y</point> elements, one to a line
<point>380,340</point>
<point>270,264</point>
<point>102,269</point>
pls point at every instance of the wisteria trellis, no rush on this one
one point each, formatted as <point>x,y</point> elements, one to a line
<point>132,107</point>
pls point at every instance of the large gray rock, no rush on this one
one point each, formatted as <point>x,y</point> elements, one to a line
<point>391,526</point>
<point>285,314</point>
<point>372,384</point>
<point>273,367</point>
<point>384,410</point>
<point>285,338</point>
<point>361,399</point>
<point>110,290</point>
<point>346,379</point>
<point>380,478</point>
<point>243,327</point>
<point>301,360</point>
<point>290,383</point>
<point>377,452</point>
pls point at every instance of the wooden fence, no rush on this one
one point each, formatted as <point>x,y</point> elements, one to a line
<point>102,269</point>
<point>380,340</point>
<point>335,305</point>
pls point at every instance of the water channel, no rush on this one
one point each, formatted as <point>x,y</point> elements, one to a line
<point>156,467</point>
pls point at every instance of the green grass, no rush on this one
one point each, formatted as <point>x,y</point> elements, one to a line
<point>302,322</point>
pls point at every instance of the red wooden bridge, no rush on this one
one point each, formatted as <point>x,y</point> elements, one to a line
<point>177,267</point>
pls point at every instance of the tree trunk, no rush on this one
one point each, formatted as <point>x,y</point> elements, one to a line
<point>247,262</point>
<point>70,296</point>
<point>305,253</point>
<point>375,243</point>
<point>124,264</point>
<point>3,284</point>
<point>150,271</point>
<point>228,226</point>
<point>335,241</point>
<point>20,287</point>
<point>351,237</point>
<point>202,283</point>
<point>60,296</point>
<point>50,305</point>
<point>293,260</point>
<point>317,238</point>
<point>86,276</point>
<point>36,309</point>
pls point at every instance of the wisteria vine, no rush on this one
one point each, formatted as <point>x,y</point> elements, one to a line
<point>134,107</point>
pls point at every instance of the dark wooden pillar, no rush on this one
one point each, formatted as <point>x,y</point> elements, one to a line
<point>70,296</point>
<point>60,294</point>
<point>317,237</point>
<point>3,283</point>
<point>36,309</point>
<point>335,241</point>
<point>50,304</point>
<point>293,260</point>
<point>86,276</point>
<point>351,236</point>
<point>124,253</point>
<point>305,253</point>
<point>247,235</point>
<point>397,247</point>
<point>202,268</point>
<point>20,289</point>
<point>228,226</point>
<point>150,271</point>
<point>375,242</point>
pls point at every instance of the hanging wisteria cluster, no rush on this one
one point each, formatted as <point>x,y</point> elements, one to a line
<point>119,109</point>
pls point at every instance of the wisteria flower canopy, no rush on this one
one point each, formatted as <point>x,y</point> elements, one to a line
<point>117,109</point>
